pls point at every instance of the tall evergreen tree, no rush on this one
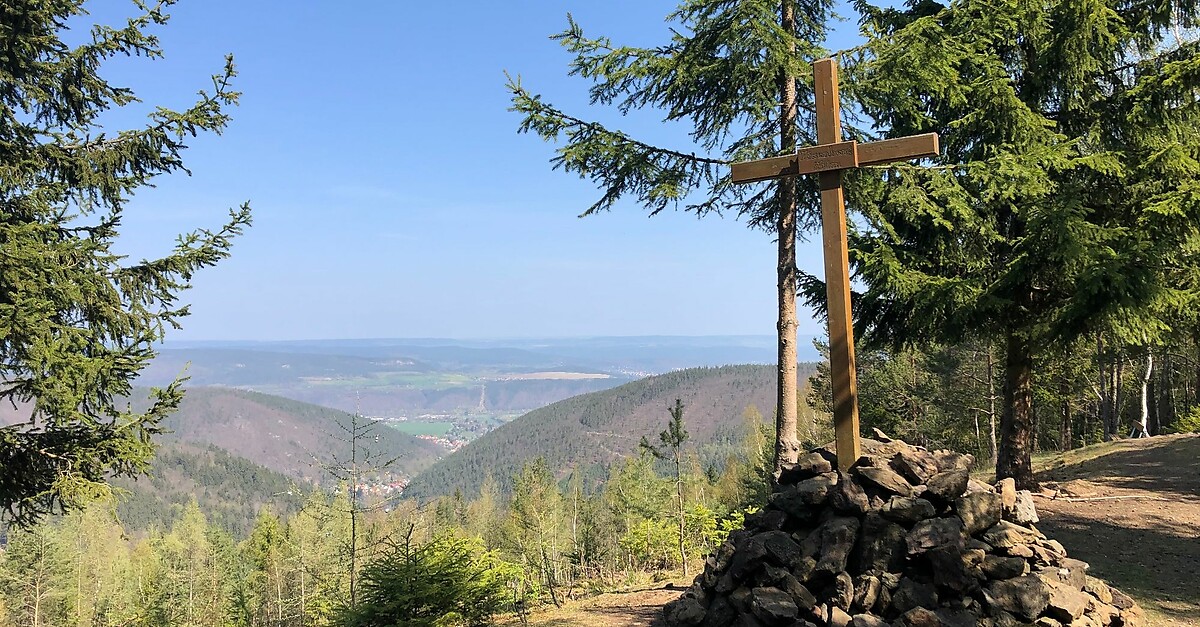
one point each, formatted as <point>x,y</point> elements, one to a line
<point>77,323</point>
<point>734,78</point>
<point>1069,198</point>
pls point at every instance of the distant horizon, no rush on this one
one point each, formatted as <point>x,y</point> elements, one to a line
<point>483,338</point>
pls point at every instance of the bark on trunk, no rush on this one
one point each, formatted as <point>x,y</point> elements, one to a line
<point>1016,422</point>
<point>1064,391</point>
<point>787,444</point>
<point>1145,419</point>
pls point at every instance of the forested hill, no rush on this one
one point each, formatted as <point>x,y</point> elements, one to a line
<point>590,431</point>
<point>287,436</point>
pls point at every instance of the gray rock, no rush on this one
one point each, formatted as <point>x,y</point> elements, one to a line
<point>773,606</point>
<point>867,620</point>
<point>782,549</point>
<point>720,613</point>
<point>1007,488</point>
<point>843,591</point>
<point>956,569</point>
<point>919,617</point>
<point>947,486</point>
<point>907,510</point>
<point>1025,597</point>
<point>1024,513</point>
<point>1069,572</point>
<point>978,511</point>
<point>847,497</point>
<point>915,465</point>
<point>1000,567</point>
<point>838,537</point>
<point>749,558</point>
<point>838,617</point>
<point>956,617</point>
<point>974,486</point>
<point>740,599</point>
<point>881,546</point>
<point>1005,534</point>
<point>935,532</point>
<point>804,599</point>
<point>886,479</point>
<point>1066,603</point>
<point>686,610</point>
<point>866,592</point>
<point>949,460</point>
<point>911,593</point>
<point>808,466</point>
<point>802,499</point>
<point>803,571</point>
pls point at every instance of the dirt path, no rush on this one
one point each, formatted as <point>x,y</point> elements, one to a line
<point>1147,545</point>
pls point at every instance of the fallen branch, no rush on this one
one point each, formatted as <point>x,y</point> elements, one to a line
<point>1082,499</point>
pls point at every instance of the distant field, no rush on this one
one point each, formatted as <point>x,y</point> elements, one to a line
<point>413,427</point>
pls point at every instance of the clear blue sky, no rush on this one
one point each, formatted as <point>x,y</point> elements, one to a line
<point>393,197</point>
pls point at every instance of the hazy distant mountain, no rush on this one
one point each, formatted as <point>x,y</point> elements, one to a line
<point>591,431</point>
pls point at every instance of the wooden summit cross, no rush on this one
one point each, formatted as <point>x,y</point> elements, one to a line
<point>828,158</point>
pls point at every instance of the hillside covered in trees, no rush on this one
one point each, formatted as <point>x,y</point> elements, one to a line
<point>586,434</point>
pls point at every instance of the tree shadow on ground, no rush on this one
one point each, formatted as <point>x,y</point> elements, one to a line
<point>1157,566</point>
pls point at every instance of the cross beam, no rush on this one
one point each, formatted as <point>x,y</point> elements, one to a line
<point>827,159</point>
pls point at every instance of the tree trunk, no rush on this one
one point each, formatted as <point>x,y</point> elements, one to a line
<point>1064,391</point>
<point>1118,372</point>
<point>787,444</point>
<point>682,517</point>
<point>1016,423</point>
<point>1145,419</point>
<point>991,377</point>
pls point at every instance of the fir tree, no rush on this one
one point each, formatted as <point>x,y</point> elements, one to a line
<point>1068,199</point>
<point>77,323</point>
<point>733,76</point>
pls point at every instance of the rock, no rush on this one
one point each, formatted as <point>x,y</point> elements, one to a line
<point>919,617</point>
<point>686,610</point>
<point>720,613</point>
<point>911,593</point>
<point>1066,603</point>
<point>886,479</point>
<point>1102,612</point>
<point>1007,488</point>
<point>867,620</point>
<point>802,597</point>
<point>935,532</point>
<point>974,486</point>
<point>907,510</point>
<point>1025,597</point>
<point>881,546</point>
<point>956,569</point>
<point>847,497</point>
<point>1000,567</point>
<point>806,467</point>
<point>1069,572</point>
<point>1005,534</point>
<point>866,592</point>
<point>773,606</point>
<point>1024,513</point>
<point>838,537</point>
<point>961,617</point>
<point>947,486</point>
<point>740,599</point>
<point>1120,600</point>
<point>838,617</point>
<point>749,558</point>
<point>782,549</point>
<point>949,460</point>
<point>1098,589</point>
<point>979,511</point>
<point>1046,621</point>
<point>801,499</point>
<point>843,591</point>
<point>915,465</point>
<point>804,570</point>
<point>772,520</point>
<point>1019,550</point>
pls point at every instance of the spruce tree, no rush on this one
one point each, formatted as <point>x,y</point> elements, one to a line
<point>735,77</point>
<point>1068,201</point>
<point>77,321</point>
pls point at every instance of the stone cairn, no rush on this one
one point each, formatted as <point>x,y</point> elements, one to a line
<point>905,539</point>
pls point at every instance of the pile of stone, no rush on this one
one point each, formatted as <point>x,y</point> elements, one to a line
<point>905,538</point>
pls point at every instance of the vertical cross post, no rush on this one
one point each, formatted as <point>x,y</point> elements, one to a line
<point>837,272</point>
<point>827,159</point>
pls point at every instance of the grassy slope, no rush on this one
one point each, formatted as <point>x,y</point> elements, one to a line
<point>286,436</point>
<point>592,430</point>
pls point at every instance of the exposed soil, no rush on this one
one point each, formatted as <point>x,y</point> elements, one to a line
<point>1146,542</point>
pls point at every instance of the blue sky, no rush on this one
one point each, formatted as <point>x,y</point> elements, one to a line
<point>393,196</point>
